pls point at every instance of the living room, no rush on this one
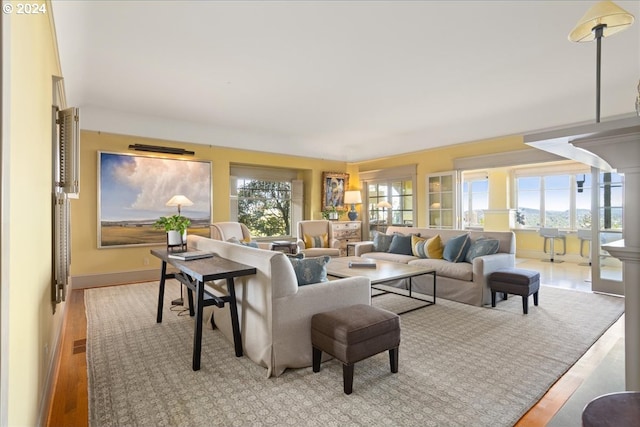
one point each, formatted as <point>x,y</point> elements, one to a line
<point>27,371</point>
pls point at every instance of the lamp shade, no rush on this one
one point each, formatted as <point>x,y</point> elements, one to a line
<point>179,200</point>
<point>352,197</point>
<point>384,204</point>
<point>605,13</point>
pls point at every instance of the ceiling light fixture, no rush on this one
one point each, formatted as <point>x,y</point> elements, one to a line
<point>604,19</point>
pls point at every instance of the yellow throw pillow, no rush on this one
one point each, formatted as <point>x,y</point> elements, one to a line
<point>434,247</point>
<point>417,246</point>
<point>427,247</point>
<point>321,241</point>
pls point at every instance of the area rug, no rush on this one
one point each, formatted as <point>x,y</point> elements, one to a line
<point>459,365</point>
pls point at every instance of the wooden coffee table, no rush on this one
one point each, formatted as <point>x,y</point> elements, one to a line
<point>385,271</point>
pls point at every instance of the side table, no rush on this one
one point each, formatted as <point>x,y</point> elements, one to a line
<point>284,246</point>
<point>193,274</point>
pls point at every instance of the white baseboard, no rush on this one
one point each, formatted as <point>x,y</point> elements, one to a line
<point>110,279</point>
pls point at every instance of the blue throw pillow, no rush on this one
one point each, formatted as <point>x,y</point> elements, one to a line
<point>456,248</point>
<point>381,242</point>
<point>481,247</point>
<point>310,270</point>
<point>401,244</point>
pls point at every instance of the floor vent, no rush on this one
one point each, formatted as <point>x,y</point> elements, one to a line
<point>80,346</point>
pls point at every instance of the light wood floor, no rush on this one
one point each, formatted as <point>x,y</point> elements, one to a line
<point>70,401</point>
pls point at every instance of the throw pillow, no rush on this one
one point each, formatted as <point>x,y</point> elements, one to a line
<point>320,241</point>
<point>310,270</point>
<point>456,248</point>
<point>481,247</point>
<point>381,242</point>
<point>401,244</point>
<point>427,247</point>
<point>242,242</point>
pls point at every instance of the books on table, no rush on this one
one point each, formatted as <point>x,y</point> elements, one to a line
<point>365,263</point>
<point>190,255</point>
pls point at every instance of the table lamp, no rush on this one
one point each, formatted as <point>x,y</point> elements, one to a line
<point>352,197</point>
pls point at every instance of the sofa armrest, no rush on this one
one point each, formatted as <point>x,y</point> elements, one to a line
<point>334,243</point>
<point>300,244</point>
<point>292,317</point>
<point>483,266</point>
<point>363,248</point>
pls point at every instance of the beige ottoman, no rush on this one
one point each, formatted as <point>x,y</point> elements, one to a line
<point>352,334</point>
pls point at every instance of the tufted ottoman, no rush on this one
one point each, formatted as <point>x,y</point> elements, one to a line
<point>516,281</point>
<point>352,334</point>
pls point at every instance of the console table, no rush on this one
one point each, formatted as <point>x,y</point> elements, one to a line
<point>193,274</point>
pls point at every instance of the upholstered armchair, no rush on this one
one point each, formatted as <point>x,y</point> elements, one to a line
<point>315,239</point>
<point>226,231</point>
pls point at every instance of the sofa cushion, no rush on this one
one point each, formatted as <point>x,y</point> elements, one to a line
<point>424,247</point>
<point>387,256</point>
<point>310,270</point>
<point>401,244</point>
<point>444,268</point>
<point>319,241</point>
<point>455,249</point>
<point>381,242</point>
<point>481,247</point>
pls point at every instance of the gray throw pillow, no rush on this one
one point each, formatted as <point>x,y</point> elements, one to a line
<point>481,247</point>
<point>401,244</point>
<point>381,242</point>
<point>310,270</point>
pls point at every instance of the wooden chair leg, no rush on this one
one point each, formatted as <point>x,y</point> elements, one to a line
<point>525,304</point>
<point>317,357</point>
<point>393,359</point>
<point>493,298</point>
<point>535,298</point>
<point>347,377</point>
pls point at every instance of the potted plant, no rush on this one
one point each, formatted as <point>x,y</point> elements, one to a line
<point>520,218</point>
<point>330,213</point>
<point>176,228</point>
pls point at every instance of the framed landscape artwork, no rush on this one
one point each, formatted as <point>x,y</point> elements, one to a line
<point>133,191</point>
<point>333,187</point>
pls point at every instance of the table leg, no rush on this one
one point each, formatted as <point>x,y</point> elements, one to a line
<point>237,338</point>
<point>434,287</point>
<point>197,335</point>
<point>161,292</point>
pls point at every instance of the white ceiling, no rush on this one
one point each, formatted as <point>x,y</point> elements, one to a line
<point>341,80</point>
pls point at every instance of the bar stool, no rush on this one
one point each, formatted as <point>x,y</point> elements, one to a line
<point>552,234</point>
<point>585,236</point>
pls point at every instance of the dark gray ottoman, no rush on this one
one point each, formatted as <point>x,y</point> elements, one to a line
<point>352,334</point>
<point>516,281</point>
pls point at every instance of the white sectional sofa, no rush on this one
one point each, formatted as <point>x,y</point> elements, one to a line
<point>460,281</point>
<point>274,312</point>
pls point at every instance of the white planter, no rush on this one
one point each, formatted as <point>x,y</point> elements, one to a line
<point>174,238</point>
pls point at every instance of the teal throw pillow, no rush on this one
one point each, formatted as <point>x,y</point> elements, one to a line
<point>236,241</point>
<point>381,242</point>
<point>310,270</point>
<point>456,248</point>
<point>401,244</point>
<point>481,247</point>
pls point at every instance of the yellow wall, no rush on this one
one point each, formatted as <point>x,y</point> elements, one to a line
<point>27,185</point>
<point>87,259</point>
<point>440,160</point>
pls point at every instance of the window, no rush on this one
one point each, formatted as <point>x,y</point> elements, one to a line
<point>394,186</point>
<point>557,201</point>
<point>399,194</point>
<point>268,202</point>
<point>265,207</point>
<point>563,200</point>
<point>475,200</point>
<point>611,201</point>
